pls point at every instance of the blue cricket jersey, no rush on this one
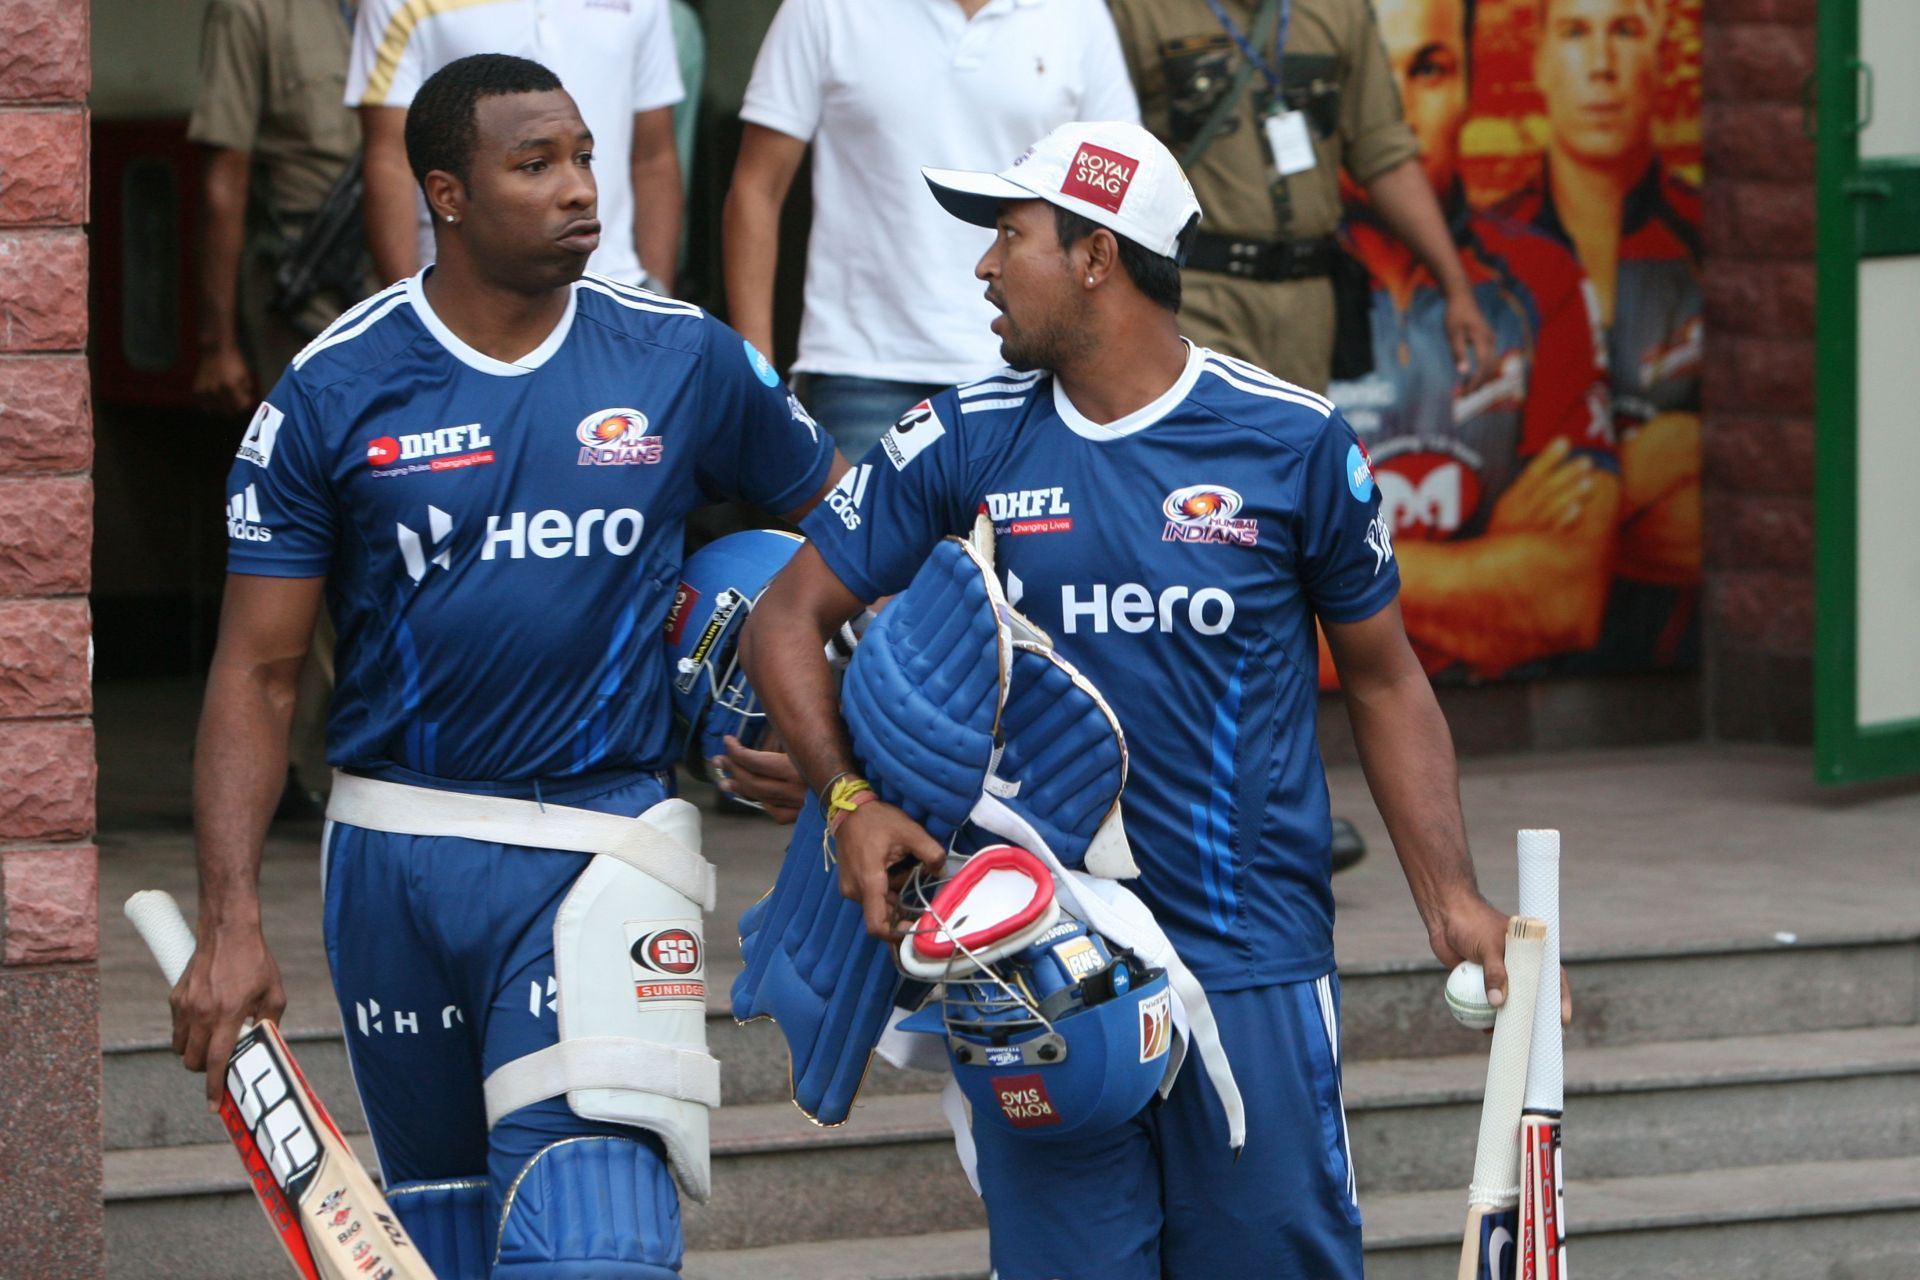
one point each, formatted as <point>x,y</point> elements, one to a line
<point>1178,558</point>
<point>501,542</point>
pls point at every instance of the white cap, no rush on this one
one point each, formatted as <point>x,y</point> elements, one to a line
<point>1112,172</point>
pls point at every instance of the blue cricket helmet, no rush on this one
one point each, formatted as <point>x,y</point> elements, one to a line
<point>1065,1035</point>
<point>719,585</point>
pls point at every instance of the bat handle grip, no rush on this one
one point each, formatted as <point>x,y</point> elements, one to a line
<point>156,916</point>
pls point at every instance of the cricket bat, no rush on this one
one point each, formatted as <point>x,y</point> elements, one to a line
<point>1543,1222</point>
<point>1493,1200</point>
<point>332,1221</point>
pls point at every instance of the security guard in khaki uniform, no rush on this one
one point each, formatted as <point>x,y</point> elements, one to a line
<point>1265,102</point>
<point>272,78</point>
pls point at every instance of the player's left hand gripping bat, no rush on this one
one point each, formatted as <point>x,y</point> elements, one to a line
<point>330,1218</point>
<point>1543,1224</point>
<point>1493,1201</point>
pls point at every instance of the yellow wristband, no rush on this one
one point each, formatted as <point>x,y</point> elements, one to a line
<point>841,792</point>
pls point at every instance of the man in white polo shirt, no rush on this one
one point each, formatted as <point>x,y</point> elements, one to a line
<point>892,312</point>
<point>615,57</point>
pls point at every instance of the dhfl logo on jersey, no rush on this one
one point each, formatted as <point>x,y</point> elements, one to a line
<point>668,961</point>
<point>1207,513</point>
<point>1099,176</point>
<point>1030,511</point>
<point>1024,1101</point>
<point>448,449</point>
<point>616,438</point>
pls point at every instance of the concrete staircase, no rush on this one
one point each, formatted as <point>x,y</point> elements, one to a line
<point>1748,1112</point>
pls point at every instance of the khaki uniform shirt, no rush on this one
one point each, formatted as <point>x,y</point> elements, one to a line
<point>1335,71</point>
<point>272,77</point>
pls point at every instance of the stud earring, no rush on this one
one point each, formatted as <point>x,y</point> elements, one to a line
<point>1089,279</point>
<point>451,218</point>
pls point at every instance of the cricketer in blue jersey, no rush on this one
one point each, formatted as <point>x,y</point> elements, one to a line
<point>1177,520</point>
<point>488,466</point>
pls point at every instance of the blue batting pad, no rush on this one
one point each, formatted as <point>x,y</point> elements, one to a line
<point>922,701</point>
<point>1064,750</point>
<point>591,1208</point>
<point>923,693</point>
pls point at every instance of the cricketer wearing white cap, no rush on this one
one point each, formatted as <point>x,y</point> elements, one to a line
<point>1114,173</point>
<point>1178,521</point>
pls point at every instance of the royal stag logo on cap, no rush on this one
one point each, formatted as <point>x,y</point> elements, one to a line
<point>1099,176</point>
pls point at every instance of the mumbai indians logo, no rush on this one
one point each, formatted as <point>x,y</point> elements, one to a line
<point>1207,513</point>
<point>616,438</point>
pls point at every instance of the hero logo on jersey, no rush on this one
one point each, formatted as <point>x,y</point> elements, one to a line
<point>1025,1102</point>
<point>1207,513</point>
<point>616,438</point>
<point>448,449</point>
<point>908,438</point>
<point>413,552</point>
<point>1428,494</point>
<point>257,445</point>
<point>243,517</point>
<point>844,498</point>
<point>1131,608</point>
<point>1029,511</point>
<point>667,961</point>
<point>1099,176</point>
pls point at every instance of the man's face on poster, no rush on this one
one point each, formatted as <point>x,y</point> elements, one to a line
<point>1426,43</point>
<point>1598,66</point>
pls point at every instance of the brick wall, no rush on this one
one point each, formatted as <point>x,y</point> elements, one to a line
<point>50,1219</point>
<point>1757,502</point>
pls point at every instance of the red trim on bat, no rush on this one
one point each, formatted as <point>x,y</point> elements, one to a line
<point>273,1201</point>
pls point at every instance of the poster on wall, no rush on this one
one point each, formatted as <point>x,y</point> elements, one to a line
<point>1545,511</point>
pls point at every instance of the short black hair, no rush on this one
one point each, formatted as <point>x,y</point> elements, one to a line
<point>441,129</point>
<point>1153,274</point>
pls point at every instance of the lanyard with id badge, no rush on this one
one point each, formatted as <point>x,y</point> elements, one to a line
<point>1288,140</point>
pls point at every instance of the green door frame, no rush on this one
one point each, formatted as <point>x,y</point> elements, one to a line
<point>1865,209</point>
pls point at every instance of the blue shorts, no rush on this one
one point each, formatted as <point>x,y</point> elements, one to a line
<point>1163,1196</point>
<point>442,957</point>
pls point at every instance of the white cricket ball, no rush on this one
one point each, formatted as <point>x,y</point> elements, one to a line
<point>1467,996</point>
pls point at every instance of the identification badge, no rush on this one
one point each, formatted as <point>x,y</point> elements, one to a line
<point>1290,143</point>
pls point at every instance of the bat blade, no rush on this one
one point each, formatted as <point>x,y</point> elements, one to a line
<point>1487,1249</point>
<point>1542,1226</point>
<point>327,1213</point>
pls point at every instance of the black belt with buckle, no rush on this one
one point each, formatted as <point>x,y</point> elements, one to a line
<point>1261,259</point>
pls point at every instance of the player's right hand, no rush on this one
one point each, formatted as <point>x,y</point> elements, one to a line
<point>222,383</point>
<point>877,845</point>
<point>232,978</point>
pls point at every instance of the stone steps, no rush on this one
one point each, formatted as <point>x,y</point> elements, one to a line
<point>1388,1012</point>
<point>1635,1113</point>
<point>1846,1220</point>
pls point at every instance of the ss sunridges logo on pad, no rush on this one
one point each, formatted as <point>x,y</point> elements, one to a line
<point>918,427</point>
<point>668,961</point>
<point>1024,1101</point>
<point>1099,176</point>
